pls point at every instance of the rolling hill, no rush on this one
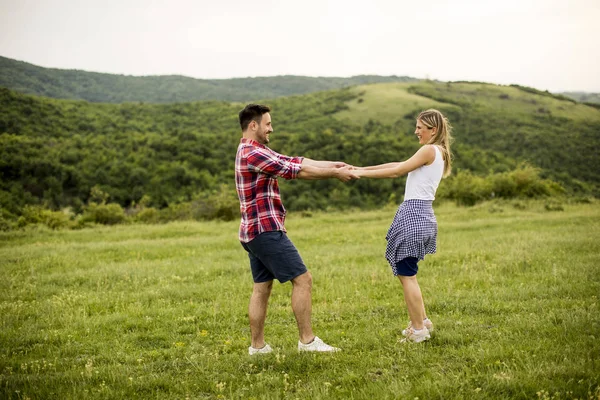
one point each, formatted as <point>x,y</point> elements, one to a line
<point>110,88</point>
<point>96,87</point>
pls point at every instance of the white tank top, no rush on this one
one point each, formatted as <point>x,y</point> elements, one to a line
<point>423,182</point>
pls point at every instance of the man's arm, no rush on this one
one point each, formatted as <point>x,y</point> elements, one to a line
<point>266,161</point>
<point>323,164</point>
<point>309,171</point>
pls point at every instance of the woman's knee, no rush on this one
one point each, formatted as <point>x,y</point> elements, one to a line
<point>408,279</point>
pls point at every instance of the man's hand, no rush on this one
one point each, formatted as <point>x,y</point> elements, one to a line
<point>346,174</point>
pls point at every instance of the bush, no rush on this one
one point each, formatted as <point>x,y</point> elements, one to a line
<point>523,182</point>
<point>466,189</point>
<point>56,219</point>
<point>6,224</point>
<point>106,214</point>
<point>32,215</point>
<point>148,215</point>
<point>221,204</point>
<point>142,212</point>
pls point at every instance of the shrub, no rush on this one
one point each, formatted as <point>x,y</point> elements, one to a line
<point>33,215</point>
<point>220,204</point>
<point>523,182</point>
<point>6,224</point>
<point>56,219</point>
<point>142,212</point>
<point>30,215</point>
<point>106,214</point>
<point>178,211</point>
<point>466,189</point>
<point>148,215</point>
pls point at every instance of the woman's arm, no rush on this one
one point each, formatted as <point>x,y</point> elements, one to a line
<point>424,156</point>
<point>380,166</point>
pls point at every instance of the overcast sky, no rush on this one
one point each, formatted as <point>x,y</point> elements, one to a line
<point>547,44</point>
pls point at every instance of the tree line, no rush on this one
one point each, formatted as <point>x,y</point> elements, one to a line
<point>112,88</point>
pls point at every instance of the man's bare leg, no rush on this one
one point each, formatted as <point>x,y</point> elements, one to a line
<point>302,305</point>
<point>257,312</point>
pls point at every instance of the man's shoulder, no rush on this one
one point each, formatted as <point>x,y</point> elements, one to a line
<point>252,150</point>
<point>246,148</point>
<point>249,154</point>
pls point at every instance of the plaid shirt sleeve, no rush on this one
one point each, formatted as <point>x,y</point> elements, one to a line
<point>272,163</point>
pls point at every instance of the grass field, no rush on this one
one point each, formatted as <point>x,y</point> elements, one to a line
<point>385,103</point>
<point>388,102</point>
<point>160,311</point>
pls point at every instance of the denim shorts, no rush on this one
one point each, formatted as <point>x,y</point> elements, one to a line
<point>406,267</point>
<point>274,256</point>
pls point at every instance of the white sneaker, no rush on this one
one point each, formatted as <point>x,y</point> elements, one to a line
<point>417,336</point>
<point>426,323</point>
<point>316,345</point>
<point>267,349</point>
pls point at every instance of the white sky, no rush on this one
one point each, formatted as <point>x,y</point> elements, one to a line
<point>547,44</point>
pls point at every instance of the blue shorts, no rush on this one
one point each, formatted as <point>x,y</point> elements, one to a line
<point>406,267</point>
<point>274,256</point>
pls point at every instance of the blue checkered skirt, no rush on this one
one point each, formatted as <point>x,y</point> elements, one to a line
<point>413,232</point>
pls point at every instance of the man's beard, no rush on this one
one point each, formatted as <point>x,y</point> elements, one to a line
<point>262,135</point>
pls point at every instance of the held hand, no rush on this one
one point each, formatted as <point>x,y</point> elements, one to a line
<point>346,174</point>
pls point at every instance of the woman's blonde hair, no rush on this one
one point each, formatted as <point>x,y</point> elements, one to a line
<point>443,136</point>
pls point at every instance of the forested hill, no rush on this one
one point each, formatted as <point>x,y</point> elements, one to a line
<point>55,152</point>
<point>112,88</point>
<point>108,88</point>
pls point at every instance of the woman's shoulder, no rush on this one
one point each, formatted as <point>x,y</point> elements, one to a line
<point>428,152</point>
<point>433,147</point>
<point>427,149</point>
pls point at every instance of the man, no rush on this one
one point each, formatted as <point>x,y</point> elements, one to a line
<point>262,232</point>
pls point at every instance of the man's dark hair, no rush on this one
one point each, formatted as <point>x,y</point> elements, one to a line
<point>252,112</point>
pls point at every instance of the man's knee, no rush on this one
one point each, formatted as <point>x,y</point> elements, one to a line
<point>304,280</point>
<point>263,288</point>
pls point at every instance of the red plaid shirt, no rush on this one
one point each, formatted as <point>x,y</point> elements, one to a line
<point>256,170</point>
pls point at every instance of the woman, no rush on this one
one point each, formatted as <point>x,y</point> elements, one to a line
<point>414,230</point>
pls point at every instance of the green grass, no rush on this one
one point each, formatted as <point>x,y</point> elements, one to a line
<point>385,103</point>
<point>389,102</point>
<point>151,311</point>
<point>511,101</point>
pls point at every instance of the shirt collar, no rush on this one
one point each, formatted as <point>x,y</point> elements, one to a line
<point>252,142</point>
